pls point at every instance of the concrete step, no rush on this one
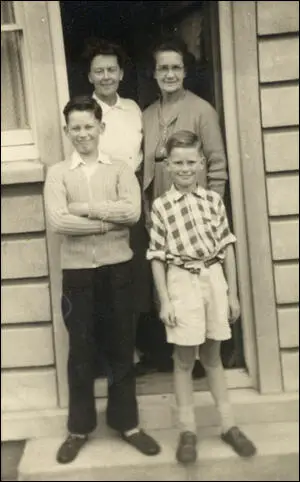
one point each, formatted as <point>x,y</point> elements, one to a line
<point>111,459</point>
<point>158,412</point>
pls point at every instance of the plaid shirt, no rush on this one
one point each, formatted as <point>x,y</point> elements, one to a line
<point>189,227</point>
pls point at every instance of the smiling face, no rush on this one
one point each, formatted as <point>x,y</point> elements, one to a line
<point>183,165</point>
<point>83,130</point>
<point>105,75</point>
<point>169,71</point>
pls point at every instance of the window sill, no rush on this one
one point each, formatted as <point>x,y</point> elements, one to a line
<point>22,172</point>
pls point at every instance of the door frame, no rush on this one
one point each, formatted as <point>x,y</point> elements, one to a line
<point>248,112</point>
<point>232,135</point>
<point>228,69</point>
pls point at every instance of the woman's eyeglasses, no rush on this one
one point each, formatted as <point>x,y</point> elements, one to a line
<point>165,69</point>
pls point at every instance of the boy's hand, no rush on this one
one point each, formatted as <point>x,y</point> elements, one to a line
<point>234,308</point>
<point>167,314</point>
<point>79,209</point>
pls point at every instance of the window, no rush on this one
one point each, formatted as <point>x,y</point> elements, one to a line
<point>16,117</point>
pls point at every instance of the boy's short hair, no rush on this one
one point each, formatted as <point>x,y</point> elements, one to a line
<point>183,139</point>
<point>82,103</point>
<point>95,47</point>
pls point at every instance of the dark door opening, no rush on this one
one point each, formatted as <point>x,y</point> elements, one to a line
<point>135,25</point>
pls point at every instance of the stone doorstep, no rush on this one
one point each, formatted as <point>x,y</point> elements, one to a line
<point>112,459</point>
<point>158,412</point>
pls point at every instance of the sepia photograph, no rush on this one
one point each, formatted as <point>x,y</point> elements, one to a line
<point>149,240</point>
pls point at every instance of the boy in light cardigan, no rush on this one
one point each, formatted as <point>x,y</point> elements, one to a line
<point>92,201</point>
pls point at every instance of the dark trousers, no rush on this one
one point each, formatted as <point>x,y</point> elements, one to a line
<point>98,312</point>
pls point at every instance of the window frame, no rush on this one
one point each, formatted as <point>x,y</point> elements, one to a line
<point>12,140</point>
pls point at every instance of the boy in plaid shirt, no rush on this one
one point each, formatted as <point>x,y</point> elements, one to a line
<point>190,240</point>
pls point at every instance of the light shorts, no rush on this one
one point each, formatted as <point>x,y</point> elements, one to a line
<point>200,303</point>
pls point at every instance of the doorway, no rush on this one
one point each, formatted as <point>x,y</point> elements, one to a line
<point>135,25</point>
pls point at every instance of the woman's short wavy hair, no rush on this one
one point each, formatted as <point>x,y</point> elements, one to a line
<point>95,47</point>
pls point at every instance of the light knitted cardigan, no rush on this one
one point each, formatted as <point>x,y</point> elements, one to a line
<point>114,200</point>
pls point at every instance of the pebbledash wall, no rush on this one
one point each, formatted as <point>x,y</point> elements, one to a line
<point>267,94</point>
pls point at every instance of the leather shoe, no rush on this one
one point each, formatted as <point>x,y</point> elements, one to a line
<point>239,442</point>
<point>187,448</point>
<point>142,442</point>
<point>70,448</point>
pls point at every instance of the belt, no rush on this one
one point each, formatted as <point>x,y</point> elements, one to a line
<point>210,262</point>
<point>196,266</point>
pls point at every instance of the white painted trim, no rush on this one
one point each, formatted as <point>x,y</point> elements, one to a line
<point>62,88</point>
<point>57,39</point>
<point>19,13</point>
<point>16,137</point>
<point>236,184</point>
<point>19,153</point>
<point>11,27</point>
<point>24,137</point>
<point>28,65</point>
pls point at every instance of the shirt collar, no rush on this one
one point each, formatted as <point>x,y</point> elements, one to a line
<point>176,195</point>
<point>77,161</point>
<point>105,107</point>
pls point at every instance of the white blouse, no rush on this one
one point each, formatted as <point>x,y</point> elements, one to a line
<point>122,137</point>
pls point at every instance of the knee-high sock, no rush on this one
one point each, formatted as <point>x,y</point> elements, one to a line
<point>183,387</point>
<point>217,384</point>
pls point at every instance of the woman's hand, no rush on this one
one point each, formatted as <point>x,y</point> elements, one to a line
<point>167,314</point>
<point>234,308</point>
<point>79,209</point>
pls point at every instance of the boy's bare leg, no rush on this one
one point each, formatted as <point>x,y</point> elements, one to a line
<point>210,356</point>
<point>184,359</point>
<point>231,434</point>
